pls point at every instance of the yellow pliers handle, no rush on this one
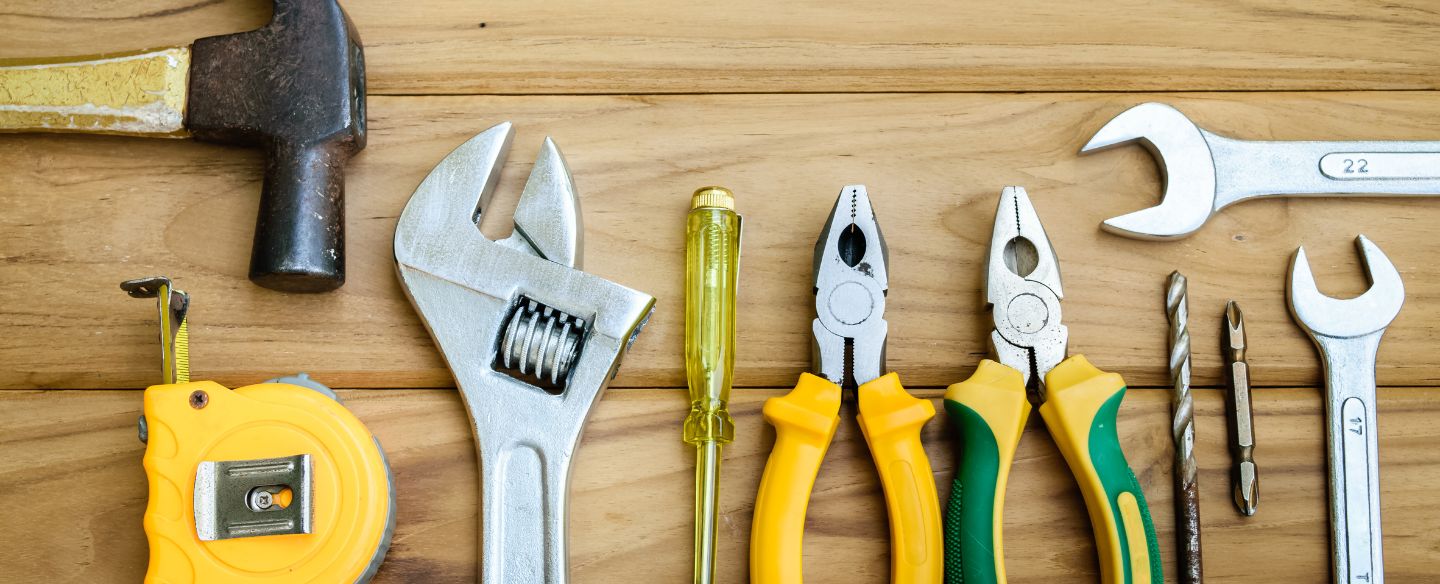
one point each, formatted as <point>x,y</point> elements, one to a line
<point>891,420</point>
<point>805,421</point>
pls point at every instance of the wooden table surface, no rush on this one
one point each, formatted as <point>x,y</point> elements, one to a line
<point>934,104</point>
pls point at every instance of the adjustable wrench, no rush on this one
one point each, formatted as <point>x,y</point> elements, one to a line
<point>531,340</point>
<point>1347,334</point>
<point>1205,172</point>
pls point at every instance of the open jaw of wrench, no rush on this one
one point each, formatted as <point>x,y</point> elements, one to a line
<point>1347,334</point>
<point>1205,172</point>
<point>531,340</point>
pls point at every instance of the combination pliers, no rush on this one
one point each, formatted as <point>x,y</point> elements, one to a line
<point>1078,402</point>
<point>849,356</point>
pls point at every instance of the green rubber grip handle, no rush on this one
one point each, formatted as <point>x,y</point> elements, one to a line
<point>1081,411</point>
<point>988,412</point>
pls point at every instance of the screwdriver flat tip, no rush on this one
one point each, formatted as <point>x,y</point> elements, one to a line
<point>1234,332</point>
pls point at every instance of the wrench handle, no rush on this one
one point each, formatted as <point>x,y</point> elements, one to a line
<point>1353,446</point>
<point>523,515</point>
<point>1247,169</point>
<point>1359,166</point>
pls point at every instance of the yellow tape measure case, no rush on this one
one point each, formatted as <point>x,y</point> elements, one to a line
<point>272,482</point>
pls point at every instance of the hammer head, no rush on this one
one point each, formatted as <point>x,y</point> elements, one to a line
<point>1187,170</point>
<point>296,88</point>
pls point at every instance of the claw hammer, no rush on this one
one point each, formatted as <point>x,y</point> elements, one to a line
<point>295,87</point>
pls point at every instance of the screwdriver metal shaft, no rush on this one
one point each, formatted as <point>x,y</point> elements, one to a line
<point>1182,408</point>
<point>1245,476</point>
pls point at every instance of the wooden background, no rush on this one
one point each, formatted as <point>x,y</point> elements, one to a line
<point>935,105</point>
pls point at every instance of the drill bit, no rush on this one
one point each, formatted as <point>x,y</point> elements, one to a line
<point>1182,408</point>
<point>1245,476</point>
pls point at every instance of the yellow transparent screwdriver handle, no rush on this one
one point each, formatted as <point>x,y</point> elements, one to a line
<point>712,266</point>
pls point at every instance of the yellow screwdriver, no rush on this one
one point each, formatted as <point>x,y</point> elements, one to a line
<point>712,258</point>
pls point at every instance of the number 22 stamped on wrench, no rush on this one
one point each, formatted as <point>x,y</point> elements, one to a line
<point>1205,172</point>
<point>531,340</point>
<point>1347,334</point>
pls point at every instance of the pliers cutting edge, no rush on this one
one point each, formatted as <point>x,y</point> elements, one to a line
<point>1078,402</point>
<point>849,352</point>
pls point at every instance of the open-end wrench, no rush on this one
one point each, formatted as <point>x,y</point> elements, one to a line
<point>1347,334</point>
<point>1205,172</point>
<point>531,340</point>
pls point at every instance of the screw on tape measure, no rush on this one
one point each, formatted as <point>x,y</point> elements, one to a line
<point>274,482</point>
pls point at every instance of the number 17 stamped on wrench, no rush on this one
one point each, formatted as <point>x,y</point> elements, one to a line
<point>1347,334</point>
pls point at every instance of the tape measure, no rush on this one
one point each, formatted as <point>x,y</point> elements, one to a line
<point>275,482</point>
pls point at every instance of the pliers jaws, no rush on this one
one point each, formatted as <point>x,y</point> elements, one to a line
<point>1022,286</point>
<point>850,286</point>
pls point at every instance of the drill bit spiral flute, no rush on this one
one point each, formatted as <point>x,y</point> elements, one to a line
<point>1182,408</point>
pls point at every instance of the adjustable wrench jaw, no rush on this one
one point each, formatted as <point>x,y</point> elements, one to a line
<point>532,342</point>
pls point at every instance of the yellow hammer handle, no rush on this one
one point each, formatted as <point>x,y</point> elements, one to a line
<point>891,420</point>
<point>805,421</point>
<point>141,93</point>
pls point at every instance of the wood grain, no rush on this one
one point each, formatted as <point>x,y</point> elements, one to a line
<point>84,213</point>
<point>72,463</point>
<point>784,103</point>
<point>745,46</point>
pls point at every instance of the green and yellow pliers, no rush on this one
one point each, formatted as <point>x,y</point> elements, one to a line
<point>1078,402</point>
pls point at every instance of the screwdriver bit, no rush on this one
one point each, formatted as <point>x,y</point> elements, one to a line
<point>1245,475</point>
